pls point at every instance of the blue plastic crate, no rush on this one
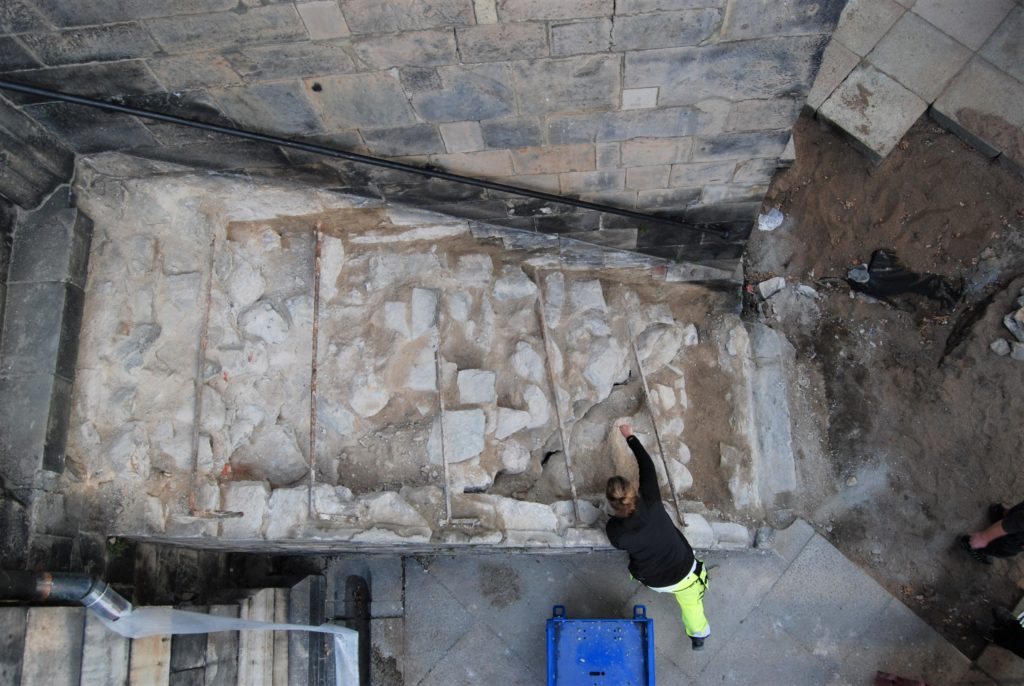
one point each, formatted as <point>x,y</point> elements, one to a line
<point>600,652</point>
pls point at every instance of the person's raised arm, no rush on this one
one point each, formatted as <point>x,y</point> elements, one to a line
<point>648,476</point>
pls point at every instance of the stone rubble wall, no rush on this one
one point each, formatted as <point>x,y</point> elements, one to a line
<point>434,373</point>
<point>676,107</point>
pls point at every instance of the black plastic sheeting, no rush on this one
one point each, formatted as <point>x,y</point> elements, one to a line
<point>886,277</point>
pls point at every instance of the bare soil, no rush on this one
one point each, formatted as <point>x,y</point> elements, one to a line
<point>898,453</point>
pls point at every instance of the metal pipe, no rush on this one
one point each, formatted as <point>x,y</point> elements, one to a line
<point>92,593</point>
<point>332,152</point>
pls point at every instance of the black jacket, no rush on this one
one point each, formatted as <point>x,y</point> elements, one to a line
<point>659,554</point>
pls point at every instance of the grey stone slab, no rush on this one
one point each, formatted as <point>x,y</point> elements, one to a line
<point>323,19</point>
<point>547,86</point>
<point>740,146</point>
<point>87,130</point>
<point>919,56</point>
<point>526,10</point>
<point>511,133</point>
<point>502,42</point>
<point>205,154</point>
<point>295,59</point>
<point>93,44</point>
<point>430,604</point>
<point>665,29</point>
<point>874,109</point>
<point>581,37</point>
<point>275,108</point>
<point>21,160</point>
<point>1003,666</point>
<point>745,20</point>
<point>805,602</point>
<point>98,80</point>
<point>221,30</point>
<point>668,199</point>
<point>863,23</point>
<point>41,330</point>
<point>411,48</point>
<point>461,666</point>
<point>986,107</point>
<point>35,409</point>
<point>625,126</point>
<point>418,139</point>
<point>47,152</point>
<point>1004,48</point>
<point>969,23</point>
<point>418,80</point>
<point>13,621</point>
<point>468,93</point>
<point>352,101</point>
<point>745,70</point>
<point>197,105</point>
<point>194,70</point>
<point>17,16</point>
<point>13,55</point>
<point>373,16</point>
<point>14,519</point>
<point>18,189</point>
<point>88,13</point>
<point>759,115</point>
<point>836,65</point>
<point>902,643</point>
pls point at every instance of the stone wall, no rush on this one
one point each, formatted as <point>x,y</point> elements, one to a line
<point>677,107</point>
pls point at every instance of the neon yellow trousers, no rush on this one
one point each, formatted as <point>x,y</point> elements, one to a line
<point>689,594</point>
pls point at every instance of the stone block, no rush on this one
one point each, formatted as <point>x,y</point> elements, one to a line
<point>745,70</point>
<point>290,60</point>
<point>646,152</point>
<point>538,182</point>
<point>608,155</point>
<point>546,86</point>
<point>45,151</point>
<point>667,198</point>
<point>874,109</point>
<point>54,553</point>
<point>418,139</point>
<point>41,331</point>
<point>971,24</point>
<point>502,42</point>
<point>863,23</point>
<point>486,11</point>
<point>412,48</point>
<point>836,64</point>
<point>625,126</point>
<point>468,93</point>
<point>531,10</point>
<point>745,20</point>
<point>731,535</point>
<point>34,410</point>
<point>51,244</point>
<point>589,182</point>
<point>740,146</point>
<point>195,70</point>
<point>664,29</point>
<point>94,44</point>
<point>250,498</point>
<point>760,115</point>
<point>476,387</point>
<point>639,98</point>
<point>14,522</point>
<point>490,163</point>
<point>1004,48</point>
<point>88,130</point>
<point>982,105</point>
<point>511,133</point>
<point>198,105</point>
<point>373,16</point>
<point>323,19</point>
<point>554,159</point>
<point>755,172</point>
<point>357,100</point>
<point>727,193</point>
<point>699,173</point>
<point>275,108</point>
<point>462,136</point>
<point>223,30</point>
<point>581,37</point>
<point>14,56</point>
<point>646,178</point>
<point>16,17</point>
<point>919,56</point>
<point>65,14</point>
<point>99,80</point>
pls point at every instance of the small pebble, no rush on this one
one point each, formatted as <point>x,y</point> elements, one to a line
<point>852,481</point>
<point>1000,346</point>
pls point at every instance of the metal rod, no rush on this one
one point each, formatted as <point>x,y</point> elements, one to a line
<point>439,377</point>
<point>312,371</point>
<point>354,157</point>
<point>198,382</point>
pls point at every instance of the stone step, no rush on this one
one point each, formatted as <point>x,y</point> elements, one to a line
<point>105,654</point>
<point>53,646</point>
<point>13,621</point>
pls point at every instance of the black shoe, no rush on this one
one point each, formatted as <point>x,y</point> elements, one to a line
<point>1004,617</point>
<point>697,642</point>
<point>977,555</point>
<point>996,513</point>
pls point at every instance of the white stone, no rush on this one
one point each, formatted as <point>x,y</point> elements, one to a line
<point>214,411</point>
<point>474,270</point>
<point>515,458</point>
<point>1000,346</point>
<point>287,513</point>
<point>682,453</point>
<point>332,261</point>
<point>510,421</point>
<point>245,283</point>
<point>423,375</point>
<point>664,396</point>
<point>659,313</point>
<point>807,291</point>
<point>527,364</point>
<point>396,317</point>
<point>771,286</point>
<point>513,284</point>
<point>1015,323</point>
<point>370,400</point>
<point>731,535</point>
<point>464,434</point>
<point>682,480</point>
<point>690,337</point>
<point>127,453</point>
<point>388,508</point>
<point>522,515</point>
<point>250,498</point>
<point>424,310</point>
<point>333,417</point>
<point>272,454</point>
<point>263,322</point>
<point>458,306</point>
<point>680,384</point>
<point>476,387</point>
<point>605,367</point>
<point>736,468</point>
<point>697,531</point>
<point>331,500</point>
<point>563,509</point>
<point>469,475</point>
<point>639,98</point>
<point>586,295</point>
<point>1017,350</point>
<point>657,346</point>
<point>538,407</point>
<point>673,427</point>
<point>554,298</point>
<point>173,455</point>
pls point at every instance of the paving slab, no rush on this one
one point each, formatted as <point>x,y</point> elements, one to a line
<point>1005,48</point>
<point>836,64</point>
<point>873,108</point>
<point>864,22</point>
<point>919,56</point>
<point>969,22</point>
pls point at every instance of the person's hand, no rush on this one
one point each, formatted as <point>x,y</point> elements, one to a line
<point>626,430</point>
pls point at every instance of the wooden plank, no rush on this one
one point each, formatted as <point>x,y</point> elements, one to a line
<point>13,622</point>
<point>256,648</point>
<point>53,646</point>
<point>104,655</point>
<point>222,651</point>
<point>150,663</point>
<point>280,664</point>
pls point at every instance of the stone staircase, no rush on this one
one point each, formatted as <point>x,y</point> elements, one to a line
<point>70,646</point>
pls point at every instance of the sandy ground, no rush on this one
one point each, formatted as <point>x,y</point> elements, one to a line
<point>898,454</point>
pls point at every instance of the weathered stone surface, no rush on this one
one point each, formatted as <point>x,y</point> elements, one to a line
<point>574,183</point>
<point>575,83</point>
<point>188,33</point>
<point>351,101</point>
<point>251,499</point>
<point>757,115</point>
<point>511,133</point>
<point>510,421</point>
<point>296,59</point>
<point>464,434</point>
<point>502,42</point>
<point>969,24</point>
<point>515,458</point>
<point>323,19</point>
<point>623,126</point>
<point>1004,48</point>
<point>753,20</point>
<point>919,56</point>
<point>462,136</point>
<point>473,92</point>
<point>646,178</point>
<point>85,131</point>
<point>34,409</point>
<point>1014,322</point>
<point>837,62</point>
<point>697,531</point>
<point>263,322</point>
<point>513,284</point>
<point>372,16</point>
<point>64,14</point>
<point>731,535</point>
<point>41,331</point>
<point>664,29</point>
<point>17,16</point>
<point>13,56</point>
<point>861,25</point>
<point>424,310</point>
<point>554,159</point>
<point>531,10</point>
<point>481,163</point>
<point>476,387</point>
<point>417,139</point>
<point>287,513</point>
<point>647,152</point>
<point>413,48</point>
<point>94,44</point>
<point>271,107</point>
<point>272,454</point>
<point>581,37</point>
<point>51,244</point>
